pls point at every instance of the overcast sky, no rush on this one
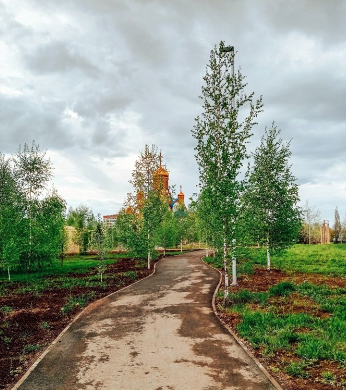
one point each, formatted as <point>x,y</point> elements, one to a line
<point>92,82</point>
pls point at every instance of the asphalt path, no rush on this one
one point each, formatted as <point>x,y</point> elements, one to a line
<point>160,333</point>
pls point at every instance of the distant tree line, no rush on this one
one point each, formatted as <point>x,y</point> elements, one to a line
<point>310,232</point>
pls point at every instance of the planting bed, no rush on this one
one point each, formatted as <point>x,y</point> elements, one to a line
<point>295,324</point>
<point>30,319</point>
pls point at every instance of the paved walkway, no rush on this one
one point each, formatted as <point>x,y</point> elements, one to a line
<point>158,334</point>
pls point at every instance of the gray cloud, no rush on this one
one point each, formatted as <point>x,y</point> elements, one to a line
<point>95,81</point>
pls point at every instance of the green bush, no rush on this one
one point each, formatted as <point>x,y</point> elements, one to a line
<point>282,289</point>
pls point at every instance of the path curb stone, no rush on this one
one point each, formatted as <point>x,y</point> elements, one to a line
<point>57,339</point>
<point>235,336</point>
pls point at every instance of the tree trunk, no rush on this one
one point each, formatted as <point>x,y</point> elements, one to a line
<point>148,251</point>
<point>8,272</point>
<point>234,265</point>
<point>181,245</point>
<point>268,254</point>
<point>225,267</point>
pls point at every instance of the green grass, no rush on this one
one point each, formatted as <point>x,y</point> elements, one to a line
<point>308,337</point>
<point>78,264</point>
<point>76,302</point>
<point>269,322</point>
<point>329,259</point>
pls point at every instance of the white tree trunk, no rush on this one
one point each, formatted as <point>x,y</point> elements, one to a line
<point>268,254</point>
<point>225,266</point>
<point>181,245</point>
<point>8,272</point>
<point>148,251</point>
<point>234,265</point>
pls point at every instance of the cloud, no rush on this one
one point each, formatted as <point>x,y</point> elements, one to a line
<point>60,57</point>
<point>96,81</point>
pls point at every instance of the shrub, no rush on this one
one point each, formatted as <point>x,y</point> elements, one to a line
<point>282,289</point>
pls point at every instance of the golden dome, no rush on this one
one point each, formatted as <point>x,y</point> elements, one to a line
<point>161,172</point>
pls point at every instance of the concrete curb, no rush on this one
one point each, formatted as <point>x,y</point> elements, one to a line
<point>236,337</point>
<point>56,340</point>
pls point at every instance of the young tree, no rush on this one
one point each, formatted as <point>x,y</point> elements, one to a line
<point>337,225</point>
<point>149,203</point>
<point>168,231</point>
<point>49,228</point>
<point>83,220</point>
<point>312,224</point>
<point>145,166</point>
<point>11,217</point>
<point>221,148</point>
<point>270,201</point>
<point>101,242</point>
<point>32,172</point>
<point>153,212</point>
<point>131,233</point>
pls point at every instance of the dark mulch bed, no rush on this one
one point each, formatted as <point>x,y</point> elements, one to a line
<point>36,319</point>
<point>262,280</point>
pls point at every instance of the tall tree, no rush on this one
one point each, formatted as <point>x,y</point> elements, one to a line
<point>143,173</point>
<point>337,225</point>
<point>270,202</point>
<point>148,203</point>
<point>221,148</point>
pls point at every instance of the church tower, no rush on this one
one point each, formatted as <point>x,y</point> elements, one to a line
<point>161,177</point>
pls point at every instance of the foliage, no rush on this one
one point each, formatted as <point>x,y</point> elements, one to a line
<point>221,147</point>
<point>311,227</point>
<point>145,166</point>
<point>31,224</point>
<point>83,220</point>
<point>270,213</point>
<point>168,234</point>
<point>139,222</point>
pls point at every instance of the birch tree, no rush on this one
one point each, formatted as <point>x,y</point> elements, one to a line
<point>221,137</point>
<point>270,201</point>
<point>146,206</point>
<point>11,217</point>
<point>32,172</point>
<point>142,176</point>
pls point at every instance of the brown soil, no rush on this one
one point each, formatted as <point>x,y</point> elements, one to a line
<point>37,319</point>
<point>262,280</point>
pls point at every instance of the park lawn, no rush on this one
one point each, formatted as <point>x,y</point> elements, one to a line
<point>329,259</point>
<point>293,317</point>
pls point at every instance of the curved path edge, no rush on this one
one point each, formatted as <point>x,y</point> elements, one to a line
<point>56,340</point>
<point>237,338</point>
